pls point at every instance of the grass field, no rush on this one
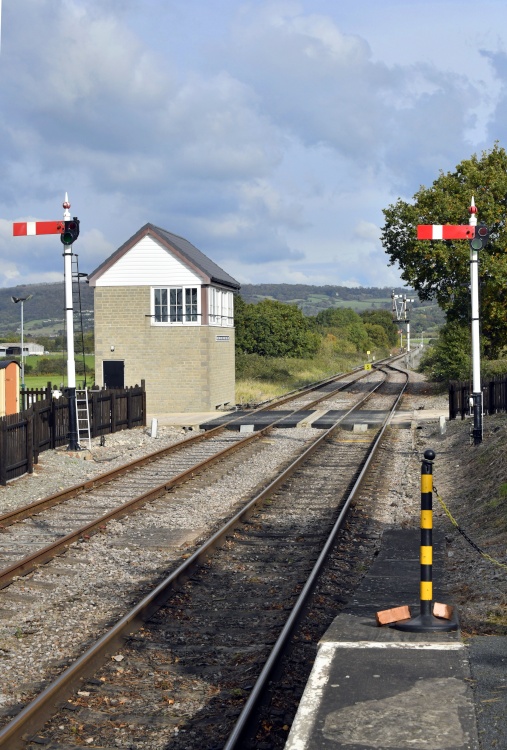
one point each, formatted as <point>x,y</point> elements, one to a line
<point>257,378</point>
<point>262,378</point>
<point>57,381</point>
<point>34,380</point>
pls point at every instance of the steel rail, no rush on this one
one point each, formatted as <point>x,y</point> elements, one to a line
<point>17,732</point>
<point>43,555</point>
<point>18,514</point>
<point>237,734</point>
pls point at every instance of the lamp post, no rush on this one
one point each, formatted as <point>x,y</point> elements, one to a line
<point>22,300</point>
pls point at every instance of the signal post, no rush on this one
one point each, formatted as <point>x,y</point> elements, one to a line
<point>68,229</point>
<point>478,237</point>
<point>400,310</point>
<point>70,233</point>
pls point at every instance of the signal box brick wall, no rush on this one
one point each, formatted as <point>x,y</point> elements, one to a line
<point>188,365</point>
<point>184,369</point>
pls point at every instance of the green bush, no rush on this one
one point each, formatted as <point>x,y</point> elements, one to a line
<point>493,368</point>
<point>273,329</point>
<point>50,366</point>
<point>450,357</point>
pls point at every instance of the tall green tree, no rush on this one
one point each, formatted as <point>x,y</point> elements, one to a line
<point>344,323</point>
<point>273,329</point>
<point>382,318</point>
<point>440,269</point>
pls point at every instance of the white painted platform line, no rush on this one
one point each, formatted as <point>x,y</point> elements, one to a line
<point>302,726</point>
<point>400,645</point>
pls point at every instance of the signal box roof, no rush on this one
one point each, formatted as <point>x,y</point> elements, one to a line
<point>178,246</point>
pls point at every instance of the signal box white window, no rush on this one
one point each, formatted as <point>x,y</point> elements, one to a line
<point>175,305</point>
<point>221,308</point>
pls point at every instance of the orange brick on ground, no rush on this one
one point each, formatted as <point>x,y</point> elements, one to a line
<point>387,616</point>
<point>443,610</point>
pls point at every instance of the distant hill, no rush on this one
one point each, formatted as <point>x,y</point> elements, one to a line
<point>312,299</point>
<point>44,313</point>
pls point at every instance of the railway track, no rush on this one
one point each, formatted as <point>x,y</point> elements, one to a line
<point>35,533</point>
<point>274,576</point>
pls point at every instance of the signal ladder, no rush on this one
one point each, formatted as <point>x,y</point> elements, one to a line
<point>78,309</point>
<point>82,406</point>
<point>83,417</point>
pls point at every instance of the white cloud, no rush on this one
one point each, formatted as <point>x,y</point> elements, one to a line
<point>366,230</point>
<point>253,130</point>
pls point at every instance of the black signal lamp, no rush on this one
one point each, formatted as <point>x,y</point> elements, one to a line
<point>481,238</point>
<point>71,231</point>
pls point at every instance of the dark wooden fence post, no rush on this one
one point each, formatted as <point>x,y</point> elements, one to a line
<point>491,391</point>
<point>143,386</point>
<point>36,432</point>
<point>94,413</point>
<point>3,452</point>
<point>129,408</point>
<point>52,423</point>
<point>465,406</point>
<point>113,412</point>
<point>29,441</point>
<point>452,405</point>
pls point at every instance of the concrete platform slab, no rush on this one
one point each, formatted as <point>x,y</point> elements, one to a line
<point>378,687</point>
<point>397,693</point>
<point>488,663</point>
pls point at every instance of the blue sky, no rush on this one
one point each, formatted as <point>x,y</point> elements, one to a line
<point>269,134</point>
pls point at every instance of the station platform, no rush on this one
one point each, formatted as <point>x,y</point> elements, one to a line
<point>378,687</point>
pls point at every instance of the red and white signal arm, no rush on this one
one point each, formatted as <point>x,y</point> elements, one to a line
<point>445,232</point>
<point>31,228</point>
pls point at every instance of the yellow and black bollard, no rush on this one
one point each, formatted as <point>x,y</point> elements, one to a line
<point>426,621</point>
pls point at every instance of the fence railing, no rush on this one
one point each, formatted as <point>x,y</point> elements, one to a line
<point>494,397</point>
<point>44,425</point>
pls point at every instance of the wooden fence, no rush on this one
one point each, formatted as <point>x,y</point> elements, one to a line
<point>44,425</point>
<point>494,397</point>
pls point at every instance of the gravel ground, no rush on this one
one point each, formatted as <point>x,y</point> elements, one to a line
<point>58,469</point>
<point>472,480</point>
<point>51,615</point>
